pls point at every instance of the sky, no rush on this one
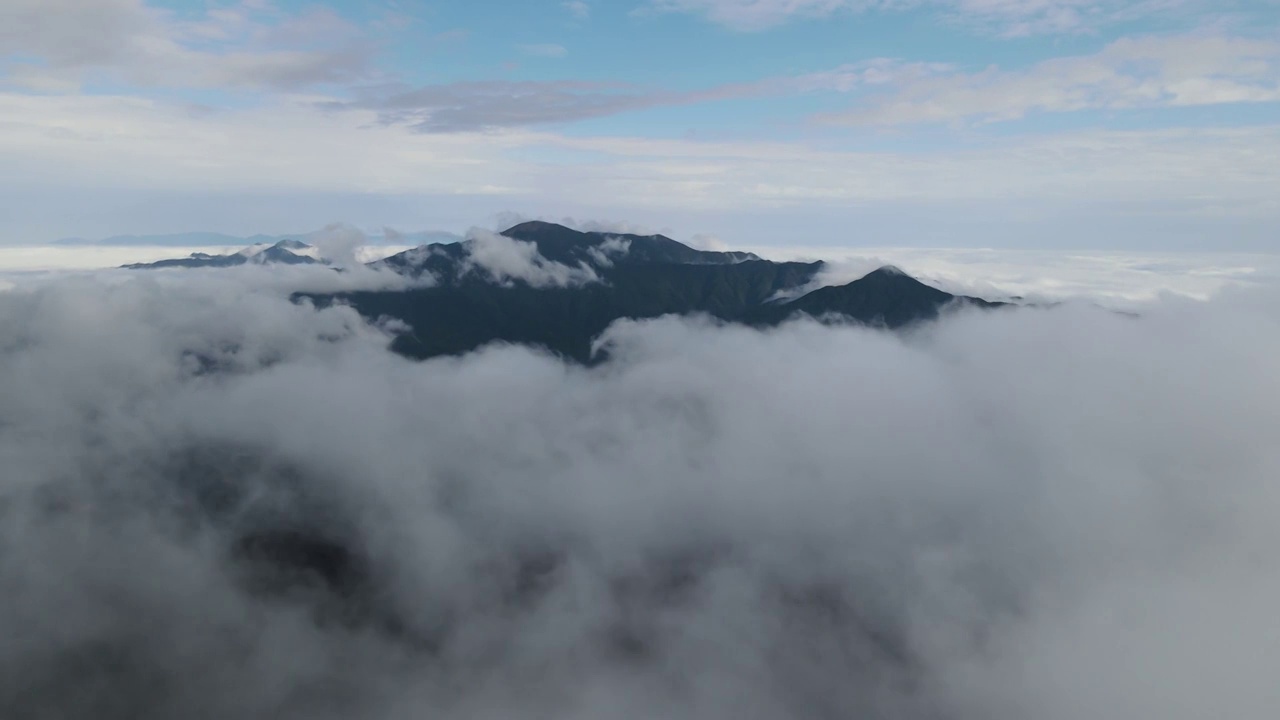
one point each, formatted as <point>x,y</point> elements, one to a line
<point>1028,124</point>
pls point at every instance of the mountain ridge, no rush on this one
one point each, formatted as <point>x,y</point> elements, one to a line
<point>652,276</point>
<point>283,252</point>
<point>542,284</point>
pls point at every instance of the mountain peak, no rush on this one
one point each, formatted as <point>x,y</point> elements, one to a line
<point>888,271</point>
<point>539,227</point>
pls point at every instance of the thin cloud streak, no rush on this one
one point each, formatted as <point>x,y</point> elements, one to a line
<point>1007,18</point>
<point>1131,73</point>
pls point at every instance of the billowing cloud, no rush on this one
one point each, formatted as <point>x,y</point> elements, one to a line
<point>340,244</point>
<point>999,517</point>
<point>506,259</point>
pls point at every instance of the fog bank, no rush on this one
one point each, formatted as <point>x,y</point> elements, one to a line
<point>1047,513</point>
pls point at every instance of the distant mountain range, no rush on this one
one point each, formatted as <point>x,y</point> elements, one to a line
<point>547,285</point>
<point>285,252</point>
<point>580,282</point>
<point>213,239</point>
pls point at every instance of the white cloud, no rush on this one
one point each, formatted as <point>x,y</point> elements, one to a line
<point>340,244</point>
<point>1143,72</point>
<point>996,518</point>
<point>1117,279</point>
<point>611,249</point>
<point>66,143</point>
<point>505,259</point>
<point>131,41</point>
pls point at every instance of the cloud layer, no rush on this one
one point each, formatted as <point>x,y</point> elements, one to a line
<point>1223,178</point>
<point>1155,122</point>
<point>1058,514</point>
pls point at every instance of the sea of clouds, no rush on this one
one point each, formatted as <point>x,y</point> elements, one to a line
<point>1055,513</point>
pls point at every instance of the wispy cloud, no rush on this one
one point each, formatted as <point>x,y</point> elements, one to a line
<point>577,8</point>
<point>1169,71</point>
<point>478,105</point>
<point>1002,17</point>
<point>1140,72</point>
<point>147,145</point>
<point>546,50</point>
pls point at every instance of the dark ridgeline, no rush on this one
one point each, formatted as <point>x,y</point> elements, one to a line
<point>639,276</point>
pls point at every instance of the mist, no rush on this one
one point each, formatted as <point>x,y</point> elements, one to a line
<point>1052,513</point>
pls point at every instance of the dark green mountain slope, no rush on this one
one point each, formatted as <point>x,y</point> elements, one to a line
<point>559,244</point>
<point>569,247</point>
<point>655,276</point>
<point>887,297</point>
<point>456,318</point>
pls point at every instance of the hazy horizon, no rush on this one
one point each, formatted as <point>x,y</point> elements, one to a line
<point>1061,124</point>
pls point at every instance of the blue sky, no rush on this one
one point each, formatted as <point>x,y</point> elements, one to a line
<point>1152,124</point>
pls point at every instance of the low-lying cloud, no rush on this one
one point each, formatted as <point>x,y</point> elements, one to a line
<point>506,260</point>
<point>1055,514</point>
<point>1116,278</point>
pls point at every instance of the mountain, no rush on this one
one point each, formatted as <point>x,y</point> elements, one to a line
<point>566,246</point>
<point>283,252</point>
<point>886,296</point>
<point>627,276</point>
<point>447,262</point>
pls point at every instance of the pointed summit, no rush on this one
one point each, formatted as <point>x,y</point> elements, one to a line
<point>291,245</point>
<point>886,296</point>
<point>888,271</point>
